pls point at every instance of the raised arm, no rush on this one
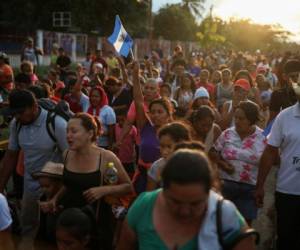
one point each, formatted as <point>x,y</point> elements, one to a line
<point>123,70</point>
<point>138,97</point>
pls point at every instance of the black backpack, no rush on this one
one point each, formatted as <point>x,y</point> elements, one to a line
<point>61,109</point>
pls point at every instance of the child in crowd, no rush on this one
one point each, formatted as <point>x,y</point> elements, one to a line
<point>50,180</point>
<point>126,152</point>
<point>169,135</point>
<point>206,130</point>
<point>77,229</point>
<point>185,92</point>
<point>165,90</point>
<point>27,68</point>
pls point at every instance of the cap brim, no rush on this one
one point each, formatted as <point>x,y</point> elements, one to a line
<point>241,86</point>
<point>43,174</point>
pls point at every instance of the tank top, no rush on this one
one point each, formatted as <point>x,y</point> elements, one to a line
<point>223,94</point>
<point>76,183</point>
<point>149,147</point>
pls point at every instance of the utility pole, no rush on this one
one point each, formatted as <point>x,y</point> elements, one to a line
<point>150,24</point>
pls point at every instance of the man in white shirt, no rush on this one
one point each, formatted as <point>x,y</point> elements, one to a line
<point>284,141</point>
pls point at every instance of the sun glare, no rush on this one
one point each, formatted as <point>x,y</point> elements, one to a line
<point>286,13</point>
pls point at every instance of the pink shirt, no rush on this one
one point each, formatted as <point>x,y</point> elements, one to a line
<point>131,114</point>
<point>243,155</point>
<point>126,152</point>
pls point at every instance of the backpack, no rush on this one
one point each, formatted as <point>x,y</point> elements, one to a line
<point>247,233</point>
<point>61,109</point>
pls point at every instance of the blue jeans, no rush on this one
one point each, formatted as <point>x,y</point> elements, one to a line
<point>242,195</point>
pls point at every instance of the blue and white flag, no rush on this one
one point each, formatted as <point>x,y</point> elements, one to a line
<point>120,39</point>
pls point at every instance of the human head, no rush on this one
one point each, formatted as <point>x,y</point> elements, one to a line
<point>246,115</point>
<point>204,76</point>
<point>226,75</point>
<point>165,90</point>
<point>26,67</point>
<point>97,68</point>
<point>3,58</point>
<point>170,134</point>
<point>29,42</point>
<point>178,67</point>
<point>50,178</point>
<point>216,77</point>
<point>82,130</point>
<point>22,81</point>
<point>201,97</point>
<point>98,97</point>
<point>121,115</point>
<point>113,85</point>
<point>187,180</point>
<point>202,120</point>
<point>188,82</point>
<point>75,229</point>
<point>61,51</point>
<point>98,53</point>
<point>151,89</point>
<point>160,111</point>
<point>244,74</point>
<point>291,73</point>
<point>23,106</point>
<point>241,89</point>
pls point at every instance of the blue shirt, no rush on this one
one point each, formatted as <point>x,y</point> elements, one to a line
<point>38,146</point>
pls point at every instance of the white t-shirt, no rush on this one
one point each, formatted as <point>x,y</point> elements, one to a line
<point>5,217</point>
<point>285,134</point>
<point>107,117</point>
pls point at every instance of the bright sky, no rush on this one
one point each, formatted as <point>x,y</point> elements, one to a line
<point>283,12</point>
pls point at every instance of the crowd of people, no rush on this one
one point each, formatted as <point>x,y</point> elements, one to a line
<point>165,152</point>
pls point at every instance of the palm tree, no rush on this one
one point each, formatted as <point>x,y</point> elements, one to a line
<point>194,6</point>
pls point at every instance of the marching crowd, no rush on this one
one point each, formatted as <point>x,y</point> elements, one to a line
<point>167,152</point>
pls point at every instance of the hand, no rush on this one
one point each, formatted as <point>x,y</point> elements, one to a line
<point>93,194</point>
<point>228,168</point>
<point>259,196</point>
<point>50,206</point>
<point>120,61</point>
<point>135,68</point>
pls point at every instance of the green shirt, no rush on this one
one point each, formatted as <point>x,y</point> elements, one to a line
<point>140,220</point>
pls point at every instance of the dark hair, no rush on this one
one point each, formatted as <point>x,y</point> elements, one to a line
<point>89,122</point>
<point>38,91</point>
<point>178,62</point>
<point>178,131</point>
<point>165,103</point>
<point>80,223</point>
<point>166,85</point>
<point>241,73</point>
<point>22,78</point>
<point>121,111</point>
<point>187,167</point>
<point>202,113</point>
<point>111,81</point>
<point>115,72</point>
<point>191,78</point>
<point>251,111</point>
<point>195,145</point>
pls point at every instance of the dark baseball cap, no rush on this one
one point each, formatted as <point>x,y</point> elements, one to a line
<point>18,101</point>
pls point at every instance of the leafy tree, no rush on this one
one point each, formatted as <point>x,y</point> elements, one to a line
<point>175,23</point>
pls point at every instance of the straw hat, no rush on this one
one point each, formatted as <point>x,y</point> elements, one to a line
<point>50,169</point>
